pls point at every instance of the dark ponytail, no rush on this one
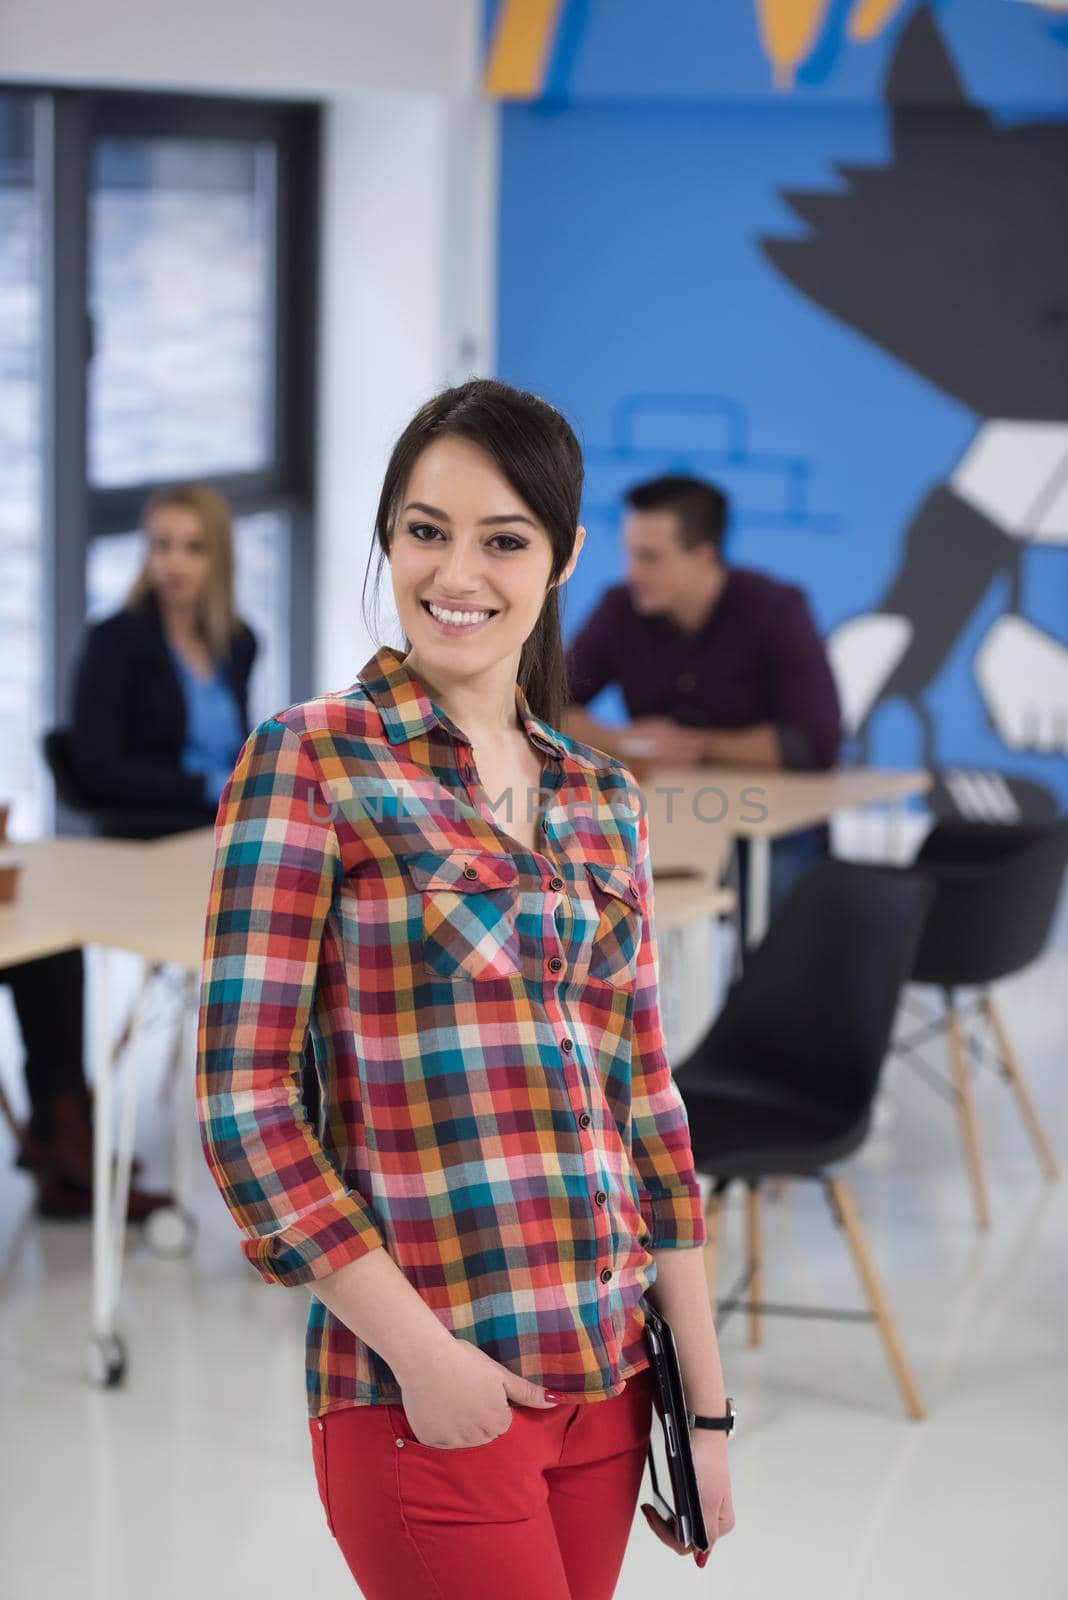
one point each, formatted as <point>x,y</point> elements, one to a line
<point>536,450</point>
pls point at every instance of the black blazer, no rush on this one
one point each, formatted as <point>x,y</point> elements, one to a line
<point>128,727</point>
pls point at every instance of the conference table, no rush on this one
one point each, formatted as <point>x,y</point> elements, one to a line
<point>150,897</point>
<point>696,813</point>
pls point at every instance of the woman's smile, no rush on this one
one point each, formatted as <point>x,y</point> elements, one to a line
<point>457,620</point>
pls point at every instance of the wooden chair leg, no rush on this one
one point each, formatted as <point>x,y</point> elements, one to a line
<point>960,1061</point>
<point>713,1219</point>
<point>845,1210</point>
<point>1010,1070</point>
<point>754,1261</point>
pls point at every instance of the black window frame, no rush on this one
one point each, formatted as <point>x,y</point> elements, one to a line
<point>74,512</point>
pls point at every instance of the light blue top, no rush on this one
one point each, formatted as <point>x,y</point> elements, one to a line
<point>214,734</point>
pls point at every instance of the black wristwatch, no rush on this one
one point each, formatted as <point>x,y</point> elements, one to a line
<point>725,1422</point>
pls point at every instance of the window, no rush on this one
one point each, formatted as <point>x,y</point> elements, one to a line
<point>157,324</point>
<point>180,286</point>
<point>22,775</point>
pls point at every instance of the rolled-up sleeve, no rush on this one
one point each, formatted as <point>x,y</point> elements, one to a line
<point>660,1132</point>
<point>277,863</point>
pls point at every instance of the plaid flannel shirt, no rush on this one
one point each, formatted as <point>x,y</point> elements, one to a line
<point>498,1110</point>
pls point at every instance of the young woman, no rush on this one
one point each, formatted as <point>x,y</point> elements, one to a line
<point>161,689</point>
<point>455,899</point>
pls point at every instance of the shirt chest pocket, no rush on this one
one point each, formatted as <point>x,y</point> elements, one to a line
<point>618,929</point>
<point>470,906</point>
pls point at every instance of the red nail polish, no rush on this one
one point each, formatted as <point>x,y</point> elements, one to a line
<point>555,1397</point>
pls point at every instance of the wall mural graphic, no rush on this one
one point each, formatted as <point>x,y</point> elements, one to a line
<point>848,303</point>
<point>791,31</point>
<point>708,435</point>
<point>954,259</point>
<point>796,46</point>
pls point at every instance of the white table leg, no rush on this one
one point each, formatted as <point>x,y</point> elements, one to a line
<point>895,829</point>
<point>701,998</point>
<point>131,1088</point>
<point>104,1357</point>
<point>185,1100</point>
<point>688,998</point>
<point>101,1057</point>
<point>689,981</point>
<point>106,1354</point>
<point>669,957</point>
<point>171,1229</point>
<point>758,889</point>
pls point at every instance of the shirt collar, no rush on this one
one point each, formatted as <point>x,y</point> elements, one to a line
<point>407,710</point>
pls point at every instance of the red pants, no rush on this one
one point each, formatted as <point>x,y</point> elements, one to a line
<point>542,1512</point>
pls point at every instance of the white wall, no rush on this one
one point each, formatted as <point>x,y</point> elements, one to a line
<point>256,47</point>
<point>408,251</point>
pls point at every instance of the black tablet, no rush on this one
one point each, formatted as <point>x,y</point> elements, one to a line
<point>671,1467</point>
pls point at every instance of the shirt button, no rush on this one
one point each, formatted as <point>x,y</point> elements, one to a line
<point>686,681</point>
<point>606,1273</point>
<point>600,1197</point>
<point>567,1044</point>
<point>584,1120</point>
<point>556,883</point>
<point>555,964</point>
<point>470,872</point>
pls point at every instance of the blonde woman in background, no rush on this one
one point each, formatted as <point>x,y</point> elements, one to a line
<point>161,690</point>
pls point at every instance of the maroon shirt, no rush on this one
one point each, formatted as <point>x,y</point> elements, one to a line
<point>757,658</point>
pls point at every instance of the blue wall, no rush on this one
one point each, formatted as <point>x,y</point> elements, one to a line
<point>633,293</point>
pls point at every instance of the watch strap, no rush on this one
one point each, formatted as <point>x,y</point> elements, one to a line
<point>724,1423</point>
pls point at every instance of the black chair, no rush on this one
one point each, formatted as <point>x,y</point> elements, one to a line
<point>997,891</point>
<point>784,1080</point>
<point>977,794</point>
<point>109,820</point>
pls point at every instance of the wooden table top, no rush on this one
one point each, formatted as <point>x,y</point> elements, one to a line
<point>696,812</point>
<point>130,894</point>
<point>151,896</point>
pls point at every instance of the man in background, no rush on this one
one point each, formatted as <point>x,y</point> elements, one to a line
<point>716,663</point>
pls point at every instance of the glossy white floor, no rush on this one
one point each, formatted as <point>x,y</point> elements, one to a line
<point>195,1477</point>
